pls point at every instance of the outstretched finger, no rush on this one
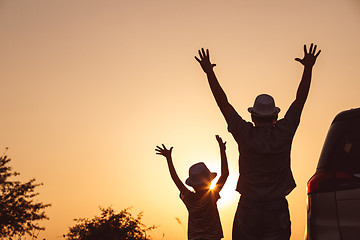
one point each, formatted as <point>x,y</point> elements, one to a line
<point>314,51</point>
<point>311,47</point>
<point>207,53</point>
<point>305,50</point>
<point>200,54</point>
<point>164,147</point>
<point>318,53</point>
<point>197,59</point>
<point>203,52</point>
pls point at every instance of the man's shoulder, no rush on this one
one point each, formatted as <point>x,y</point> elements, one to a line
<point>236,121</point>
<point>291,119</point>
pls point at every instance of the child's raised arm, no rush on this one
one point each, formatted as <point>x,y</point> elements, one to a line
<point>224,164</point>
<point>167,153</point>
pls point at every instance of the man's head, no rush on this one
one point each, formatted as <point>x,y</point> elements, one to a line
<point>264,110</point>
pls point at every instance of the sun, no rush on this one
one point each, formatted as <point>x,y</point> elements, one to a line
<point>228,192</point>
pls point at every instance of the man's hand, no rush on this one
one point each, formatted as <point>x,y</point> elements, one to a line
<point>163,151</point>
<point>309,57</point>
<point>204,60</point>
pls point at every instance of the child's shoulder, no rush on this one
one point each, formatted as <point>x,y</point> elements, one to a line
<point>215,193</point>
<point>187,194</point>
<point>196,196</point>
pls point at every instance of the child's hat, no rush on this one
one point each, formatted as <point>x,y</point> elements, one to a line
<point>199,174</point>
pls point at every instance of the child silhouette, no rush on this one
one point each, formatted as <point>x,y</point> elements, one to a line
<point>204,220</point>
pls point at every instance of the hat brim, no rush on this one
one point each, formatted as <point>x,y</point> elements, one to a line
<point>193,182</point>
<point>264,115</point>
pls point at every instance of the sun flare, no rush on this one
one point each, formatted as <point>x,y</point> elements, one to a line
<point>228,192</point>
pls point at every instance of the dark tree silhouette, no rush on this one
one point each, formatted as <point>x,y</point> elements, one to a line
<point>109,226</point>
<point>18,211</point>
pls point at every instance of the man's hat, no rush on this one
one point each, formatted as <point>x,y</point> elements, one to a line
<point>264,106</point>
<point>199,174</point>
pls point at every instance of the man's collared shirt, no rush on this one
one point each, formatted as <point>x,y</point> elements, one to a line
<point>264,161</point>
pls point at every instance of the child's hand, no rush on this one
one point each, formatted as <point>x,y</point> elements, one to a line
<point>163,151</point>
<point>222,144</point>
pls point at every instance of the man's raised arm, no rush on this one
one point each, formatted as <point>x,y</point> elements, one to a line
<point>308,61</point>
<point>219,94</point>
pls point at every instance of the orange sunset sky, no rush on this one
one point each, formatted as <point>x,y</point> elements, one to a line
<point>89,88</point>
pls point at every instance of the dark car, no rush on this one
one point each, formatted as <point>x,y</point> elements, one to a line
<point>333,203</point>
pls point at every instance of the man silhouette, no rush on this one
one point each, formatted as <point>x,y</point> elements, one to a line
<point>264,162</point>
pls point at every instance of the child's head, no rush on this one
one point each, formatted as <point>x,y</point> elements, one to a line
<point>200,176</point>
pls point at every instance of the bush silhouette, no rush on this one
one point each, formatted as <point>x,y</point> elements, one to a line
<point>18,211</point>
<point>109,226</point>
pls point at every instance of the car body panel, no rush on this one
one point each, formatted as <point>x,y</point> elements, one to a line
<point>348,205</point>
<point>334,191</point>
<point>322,221</point>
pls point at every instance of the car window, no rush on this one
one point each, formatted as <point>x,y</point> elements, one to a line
<point>348,154</point>
<point>341,150</point>
<point>332,139</point>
